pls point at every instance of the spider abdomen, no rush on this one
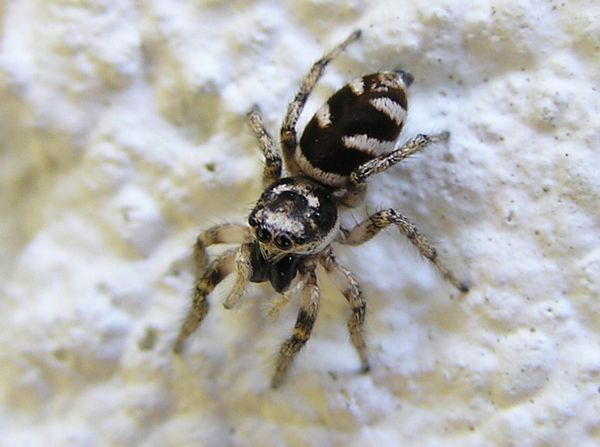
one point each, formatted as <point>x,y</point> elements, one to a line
<point>359,122</point>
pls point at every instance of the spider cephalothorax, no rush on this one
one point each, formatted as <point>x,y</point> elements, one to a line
<point>294,224</point>
<point>294,215</point>
<point>293,218</point>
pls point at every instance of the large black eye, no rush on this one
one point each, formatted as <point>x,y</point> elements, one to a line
<point>299,240</point>
<point>263,235</point>
<point>252,221</point>
<point>283,241</point>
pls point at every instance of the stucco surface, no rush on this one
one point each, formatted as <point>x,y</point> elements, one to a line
<point>123,135</point>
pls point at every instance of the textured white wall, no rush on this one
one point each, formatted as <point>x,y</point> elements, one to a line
<point>123,134</point>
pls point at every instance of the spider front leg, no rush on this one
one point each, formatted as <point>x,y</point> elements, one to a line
<point>272,170</point>
<point>309,307</point>
<point>216,272</point>
<point>219,234</point>
<point>208,278</point>
<point>357,180</point>
<point>375,223</point>
<point>243,269</point>
<point>348,285</point>
<point>288,136</point>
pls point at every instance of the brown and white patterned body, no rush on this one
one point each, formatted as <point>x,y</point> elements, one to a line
<point>360,122</point>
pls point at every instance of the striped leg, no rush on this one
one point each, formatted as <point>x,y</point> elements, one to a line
<point>348,285</point>
<point>307,315</point>
<point>214,274</point>
<point>357,181</point>
<point>219,234</point>
<point>288,129</point>
<point>375,223</point>
<point>243,270</point>
<point>208,278</point>
<point>272,169</point>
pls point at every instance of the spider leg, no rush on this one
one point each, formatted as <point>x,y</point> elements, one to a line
<point>375,223</point>
<point>288,136</point>
<point>272,170</point>
<point>309,307</point>
<point>282,300</point>
<point>219,234</point>
<point>208,278</point>
<point>214,274</point>
<point>348,285</point>
<point>357,180</point>
<point>243,270</point>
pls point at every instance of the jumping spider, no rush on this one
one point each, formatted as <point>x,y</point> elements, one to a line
<point>291,229</point>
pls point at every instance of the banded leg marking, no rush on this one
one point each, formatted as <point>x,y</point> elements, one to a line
<point>272,170</point>
<point>243,272</point>
<point>288,136</point>
<point>347,283</point>
<point>219,234</point>
<point>205,284</point>
<point>309,307</point>
<point>357,181</point>
<point>380,220</point>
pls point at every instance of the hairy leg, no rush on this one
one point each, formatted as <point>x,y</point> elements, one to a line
<point>280,301</point>
<point>219,234</point>
<point>288,129</point>
<point>309,307</point>
<point>357,181</point>
<point>348,285</point>
<point>214,274</point>
<point>375,223</point>
<point>243,272</point>
<point>272,170</point>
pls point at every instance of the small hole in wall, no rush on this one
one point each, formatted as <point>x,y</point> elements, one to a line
<point>148,341</point>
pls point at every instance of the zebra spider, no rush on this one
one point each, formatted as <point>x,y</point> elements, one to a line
<point>292,227</point>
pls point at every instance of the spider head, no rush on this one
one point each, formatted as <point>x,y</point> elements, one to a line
<point>293,215</point>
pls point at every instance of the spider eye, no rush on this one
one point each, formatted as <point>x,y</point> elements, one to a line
<point>263,235</point>
<point>252,221</point>
<point>283,241</point>
<point>299,240</point>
